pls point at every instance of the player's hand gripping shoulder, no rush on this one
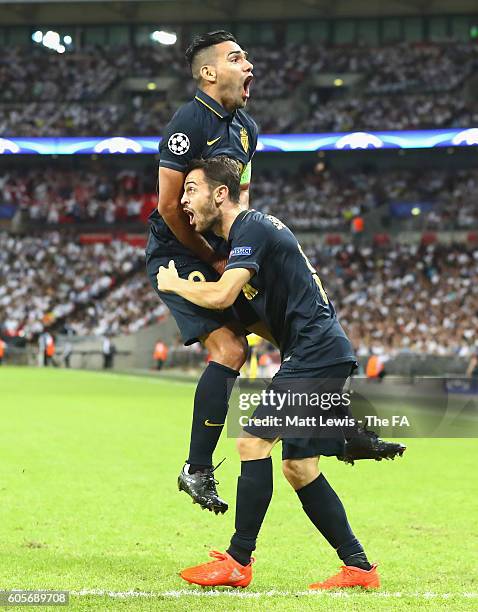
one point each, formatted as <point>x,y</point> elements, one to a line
<point>213,295</point>
<point>167,277</point>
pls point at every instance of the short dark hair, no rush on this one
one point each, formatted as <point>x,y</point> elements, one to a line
<point>207,40</point>
<point>220,170</point>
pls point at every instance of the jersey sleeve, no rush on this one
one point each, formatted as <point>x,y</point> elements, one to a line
<point>183,140</point>
<point>255,137</point>
<point>247,172</point>
<point>248,248</point>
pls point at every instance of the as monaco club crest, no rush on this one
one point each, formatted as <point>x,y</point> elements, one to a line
<point>244,139</point>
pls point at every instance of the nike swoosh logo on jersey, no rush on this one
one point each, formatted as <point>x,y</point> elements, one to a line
<point>211,142</point>
<point>208,423</point>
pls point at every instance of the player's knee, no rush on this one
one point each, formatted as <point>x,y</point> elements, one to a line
<point>300,472</point>
<point>233,354</point>
<point>227,348</point>
<point>250,448</point>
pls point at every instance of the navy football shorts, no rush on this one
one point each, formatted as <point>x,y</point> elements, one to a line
<point>326,379</point>
<point>193,321</point>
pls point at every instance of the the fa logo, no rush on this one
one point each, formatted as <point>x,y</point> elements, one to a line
<point>245,139</point>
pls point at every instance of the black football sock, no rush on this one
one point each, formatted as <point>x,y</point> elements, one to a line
<point>210,410</point>
<point>193,468</point>
<point>358,560</point>
<point>254,493</point>
<point>324,508</point>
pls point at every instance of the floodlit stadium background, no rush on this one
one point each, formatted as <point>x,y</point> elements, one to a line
<point>368,149</point>
<point>369,137</point>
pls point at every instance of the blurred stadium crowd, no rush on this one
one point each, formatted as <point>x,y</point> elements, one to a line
<point>414,298</point>
<point>391,299</point>
<point>328,199</point>
<point>54,277</point>
<point>323,199</point>
<point>61,196</point>
<point>402,86</point>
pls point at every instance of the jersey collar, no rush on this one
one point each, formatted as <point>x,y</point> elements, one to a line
<point>236,223</point>
<point>212,105</point>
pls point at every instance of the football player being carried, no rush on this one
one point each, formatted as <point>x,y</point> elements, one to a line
<point>288,295</point>
<point>214,123</point>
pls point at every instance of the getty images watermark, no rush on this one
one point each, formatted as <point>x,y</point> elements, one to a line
<point>272,407</point>
<point>400,407</point>
<point>321,403</point>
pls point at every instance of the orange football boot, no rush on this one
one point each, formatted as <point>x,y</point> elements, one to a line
<point>224,571</point>
<point>350,576</point>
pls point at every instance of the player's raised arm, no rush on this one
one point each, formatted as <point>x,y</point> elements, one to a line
<point>169,206</point>
<point>183,139</point>
<point>218,295</point>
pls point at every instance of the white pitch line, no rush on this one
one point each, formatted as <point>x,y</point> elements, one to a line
<point>240,594</point>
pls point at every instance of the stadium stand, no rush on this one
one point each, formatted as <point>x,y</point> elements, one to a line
<point>393,299</point>
<point>330,199</point>
<point>123,310</point>
<point>390,87</point>
<point>61,196</point>
<point>48,279</point>
<point>404,298</point>
<point>324,199</point>
<point>385,112</point>
<point>78,255</point>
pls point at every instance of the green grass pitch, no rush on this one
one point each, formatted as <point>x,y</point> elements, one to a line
<point>88,467</point>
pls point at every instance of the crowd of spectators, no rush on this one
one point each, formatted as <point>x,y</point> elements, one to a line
<point>411,67</point>
<point>46,94</point>
<point>47,278</point>
<point>420,299</point>
<point>329,200</point>
<point>452,195</point>
<point>56,119</point>
<point>55,195</point>
<point>87,74</point>
<point>377,113</point>
<point>27,75</point>
<point>124,310</point>
<point>397,67</point>
<point>322,199</point>
<point>404,298</point>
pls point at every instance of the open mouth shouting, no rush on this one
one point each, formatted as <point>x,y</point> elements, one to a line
<point>190,214</point>
<point>246,86</point>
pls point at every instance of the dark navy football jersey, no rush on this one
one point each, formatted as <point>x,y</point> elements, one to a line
<point>286,292</point>
<point>202,128</point>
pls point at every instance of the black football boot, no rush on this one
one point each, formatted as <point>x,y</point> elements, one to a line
<point>201,486</point>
